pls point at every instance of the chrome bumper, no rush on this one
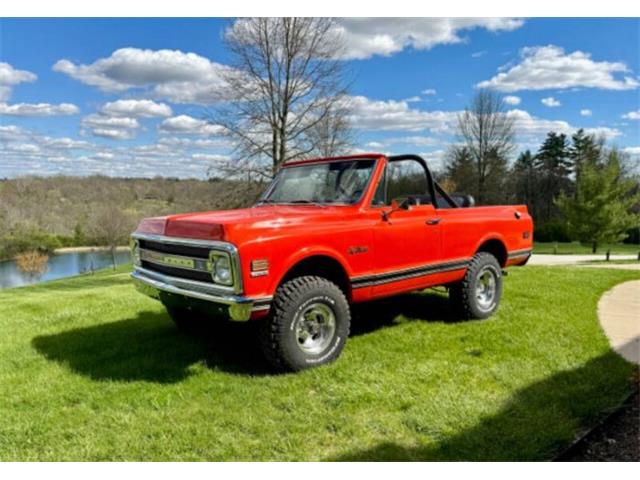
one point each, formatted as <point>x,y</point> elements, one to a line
<point>240,307</point>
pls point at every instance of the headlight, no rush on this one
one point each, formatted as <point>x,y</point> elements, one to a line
<point>135,251</point>
<point>221,268</point>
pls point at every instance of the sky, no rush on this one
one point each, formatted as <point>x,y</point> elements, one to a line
<point>127,97</point>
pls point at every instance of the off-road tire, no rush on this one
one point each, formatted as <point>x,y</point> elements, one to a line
<point>463,295</point>
<point>278,335</point>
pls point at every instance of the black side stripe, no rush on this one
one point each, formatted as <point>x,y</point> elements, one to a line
<point>520,253</point>
<point>389,277</point>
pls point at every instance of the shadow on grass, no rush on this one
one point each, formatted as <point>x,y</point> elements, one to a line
<point>148,347</point>
<point>538,423</point>
<point>424,307</point>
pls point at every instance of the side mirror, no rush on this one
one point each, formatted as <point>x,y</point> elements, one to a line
<point>401,205</point>
<point>395,206</point>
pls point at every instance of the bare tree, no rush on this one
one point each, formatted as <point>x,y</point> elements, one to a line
<point>111,226</point>
<point>487,134</point>
<point>285,93</point>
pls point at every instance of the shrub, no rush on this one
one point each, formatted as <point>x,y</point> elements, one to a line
<point>552,232</point>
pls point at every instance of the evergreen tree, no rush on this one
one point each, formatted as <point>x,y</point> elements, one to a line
<point>584,150</point>
<point>554,166</point>
<point>524,182</point>
<point>600,211</point>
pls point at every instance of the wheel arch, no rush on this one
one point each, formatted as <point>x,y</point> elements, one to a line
<point>496,247</point>
<point>321,264</point>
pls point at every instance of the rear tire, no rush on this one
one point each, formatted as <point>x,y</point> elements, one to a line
<point>478,294</point>
<point>308,325</point>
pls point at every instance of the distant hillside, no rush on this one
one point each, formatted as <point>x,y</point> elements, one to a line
<point>65,211</point>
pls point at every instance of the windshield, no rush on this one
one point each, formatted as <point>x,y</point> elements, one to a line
<point>331,182</point>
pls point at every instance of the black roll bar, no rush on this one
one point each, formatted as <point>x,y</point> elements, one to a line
<point>431,183</point>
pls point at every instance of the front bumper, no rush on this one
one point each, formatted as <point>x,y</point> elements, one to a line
<point>238,307</point>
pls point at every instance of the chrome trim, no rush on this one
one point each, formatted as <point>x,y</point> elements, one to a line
<point>240,307</point>
<point>409,273</point>
<point>230,248</point>
<point>519,253</point>
<point>150,256</point>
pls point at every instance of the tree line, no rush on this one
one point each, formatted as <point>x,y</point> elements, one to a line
<point>575,187</point>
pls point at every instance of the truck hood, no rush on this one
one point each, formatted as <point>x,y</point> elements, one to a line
<point>224,224</point>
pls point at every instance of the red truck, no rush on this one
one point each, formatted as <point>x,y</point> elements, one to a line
<point>326,234</point>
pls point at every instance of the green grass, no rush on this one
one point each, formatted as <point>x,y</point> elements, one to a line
<point>92,370</point>
<point>576,248</point>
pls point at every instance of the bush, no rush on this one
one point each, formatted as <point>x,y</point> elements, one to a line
<point>552,232</point>
<point>23,241</point>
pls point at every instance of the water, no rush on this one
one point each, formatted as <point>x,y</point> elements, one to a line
<point>61,266</point>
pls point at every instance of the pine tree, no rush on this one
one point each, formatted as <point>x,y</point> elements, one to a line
<point>584,150</point>
<point>554,167</point>
<point>600,211</point>
<point>524,182</point>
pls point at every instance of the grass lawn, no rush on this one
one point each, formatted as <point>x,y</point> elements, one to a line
<point>576,248</point>
<point>92,370</point>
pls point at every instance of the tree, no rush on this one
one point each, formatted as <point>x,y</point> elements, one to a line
<point>111,226</point>
<point>524,182</point>
<point>287,89</point>
<point>584,149</point>
<point>554,166</point>
<point>486,133</point>
<point>600,211</point>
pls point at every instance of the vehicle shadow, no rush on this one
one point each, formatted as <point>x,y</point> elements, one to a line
<point>148,347</point>
<point>538,423</point>
<point>423,306</point>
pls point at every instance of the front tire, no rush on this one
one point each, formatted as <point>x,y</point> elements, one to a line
<point>308,326</point>
<point>478,294</point>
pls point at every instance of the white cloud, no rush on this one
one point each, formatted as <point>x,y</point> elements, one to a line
<point>38,109</point>
<point>429,91</point>
<point>209,157</point>
<point>115,128</point>
<point>478,54</point>
<point>550,102</point>
<point>413,99</point>
<point>635,115</point>
<point>170,74</point>
<point>390,115</point>
<point>12,132</point>
<point>632,151</point>
<point>366,37</point>
<point>512,100</point>
<point>184,124</point>
<point>92,121</point>
<point>9,77</point>
<point>548,67</point>
<point>529,126</point>
<point>136,109</point>
<point>113,133</point>
<point>585,112</point>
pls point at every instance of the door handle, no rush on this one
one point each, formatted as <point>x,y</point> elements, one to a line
<point>433,221</point>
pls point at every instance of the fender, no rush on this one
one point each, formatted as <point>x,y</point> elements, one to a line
<point>305,253</point>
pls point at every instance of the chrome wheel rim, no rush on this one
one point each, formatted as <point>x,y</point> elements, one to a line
<point>315,327</point>
<point>486,287</point>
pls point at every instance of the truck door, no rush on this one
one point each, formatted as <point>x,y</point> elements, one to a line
<point>406,237</point>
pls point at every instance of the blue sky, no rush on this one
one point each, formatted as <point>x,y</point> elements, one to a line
<point>126,97</point>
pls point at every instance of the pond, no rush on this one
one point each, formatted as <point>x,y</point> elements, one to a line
<point>61,266</point>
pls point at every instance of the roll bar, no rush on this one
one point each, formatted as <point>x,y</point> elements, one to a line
<point>431,183</point>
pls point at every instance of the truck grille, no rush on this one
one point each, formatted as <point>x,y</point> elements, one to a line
<point>182,261</point>
<point>175,249</point>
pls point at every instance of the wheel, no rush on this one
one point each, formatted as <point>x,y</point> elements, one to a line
<point>308,325</point>
<point>185,319</point>
<point>478,294</point>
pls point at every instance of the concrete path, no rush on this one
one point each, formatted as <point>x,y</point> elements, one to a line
<point>619,314</point>
<point>541,259</point>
